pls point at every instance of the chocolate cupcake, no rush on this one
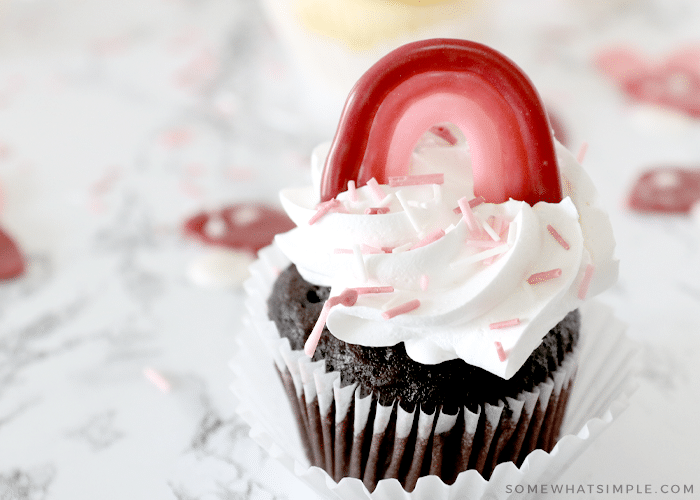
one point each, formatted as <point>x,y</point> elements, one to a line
<point>428,323</point>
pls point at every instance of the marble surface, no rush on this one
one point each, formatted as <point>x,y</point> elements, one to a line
<point>120,119</point>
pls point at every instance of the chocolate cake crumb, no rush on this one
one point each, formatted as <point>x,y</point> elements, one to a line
<point>388,373</point>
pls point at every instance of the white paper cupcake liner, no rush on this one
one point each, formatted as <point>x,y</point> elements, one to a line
<point>603,382</point>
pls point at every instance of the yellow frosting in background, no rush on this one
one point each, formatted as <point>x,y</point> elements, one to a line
<point>364,24</point>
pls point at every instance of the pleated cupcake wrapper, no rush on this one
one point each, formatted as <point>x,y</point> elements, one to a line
<point>326,427</point>
<point>354,436</point>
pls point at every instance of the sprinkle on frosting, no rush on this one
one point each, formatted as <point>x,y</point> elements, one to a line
<point>504,324</point>
<point>416,180</point>
<point>557,237</point>
<point>424,282</point>
<point>352,191</point>
<point>348,298</point>
<point>433,236</point>
<point>468,214</point>
<point>544,276</point>
<point>406,208</point>
<point>376,190</point>
<point>359,262</point>
<point>502,355</point>
<point>376,210</point>
<point>586,282</point>
<point>373,289</point>
<point>323,209</point>
<point>582,152</point>
<point>478,257</point>
<point>404,308</point>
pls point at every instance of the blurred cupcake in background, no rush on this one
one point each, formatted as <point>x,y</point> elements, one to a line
<point>333,42</point>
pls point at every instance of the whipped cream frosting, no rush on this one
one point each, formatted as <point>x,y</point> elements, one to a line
<point>470,275</point>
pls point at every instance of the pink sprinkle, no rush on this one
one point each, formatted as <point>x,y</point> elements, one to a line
<point>484,243</point>
<point>348,297</point>
<point>376,189</point>
<point>401,309</point>
<point>505,324</point>
<point>374,289</point>
<point>582,152</point>
<point>387,249</point>
<point>586,282</point>
<point>432,237</point>
<point>352,192</point>
<point>366,249</point>
<point>157,379</point>
<point>416,180</point>
<point>338,251</point>
<point>424,282</point>
<point>544,276</point>
<point>323,209</point>
<point>557,237</point>
<point>377,210</point>
<point>444,133</point>
<point>468,215</point>
<point>502,356</point>
<point>474,202</point>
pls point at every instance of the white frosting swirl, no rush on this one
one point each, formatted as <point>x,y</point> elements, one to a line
<point>459,299</point>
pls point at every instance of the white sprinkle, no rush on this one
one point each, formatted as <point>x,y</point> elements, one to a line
<point>487,227</point>
<point>511,233</point>
<point>360,263</point>
<point>478,257</point>
<point>409,213</point>
<point>437,193</point>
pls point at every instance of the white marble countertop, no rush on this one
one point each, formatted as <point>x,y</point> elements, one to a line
<point>120,119</point>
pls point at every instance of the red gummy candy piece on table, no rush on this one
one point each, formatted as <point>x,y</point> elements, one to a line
<point>434,81</point>
<point>11,259</point>
<point>247,226</point>
<point>674,83</point>
<point>666,189</point>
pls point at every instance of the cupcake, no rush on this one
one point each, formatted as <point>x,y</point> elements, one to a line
<point>333,42</point>
<point>424,314</point>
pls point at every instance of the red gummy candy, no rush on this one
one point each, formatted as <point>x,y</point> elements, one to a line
<point>11,259</point>
<point>434,81</point>
<point>246,226</point>
<point>667,190</point>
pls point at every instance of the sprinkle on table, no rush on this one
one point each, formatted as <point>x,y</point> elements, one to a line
<point>544,276</point>
<point>557,237</point>
<point>416,180</point>
<point>157,379</point>
<point>404,308</point>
